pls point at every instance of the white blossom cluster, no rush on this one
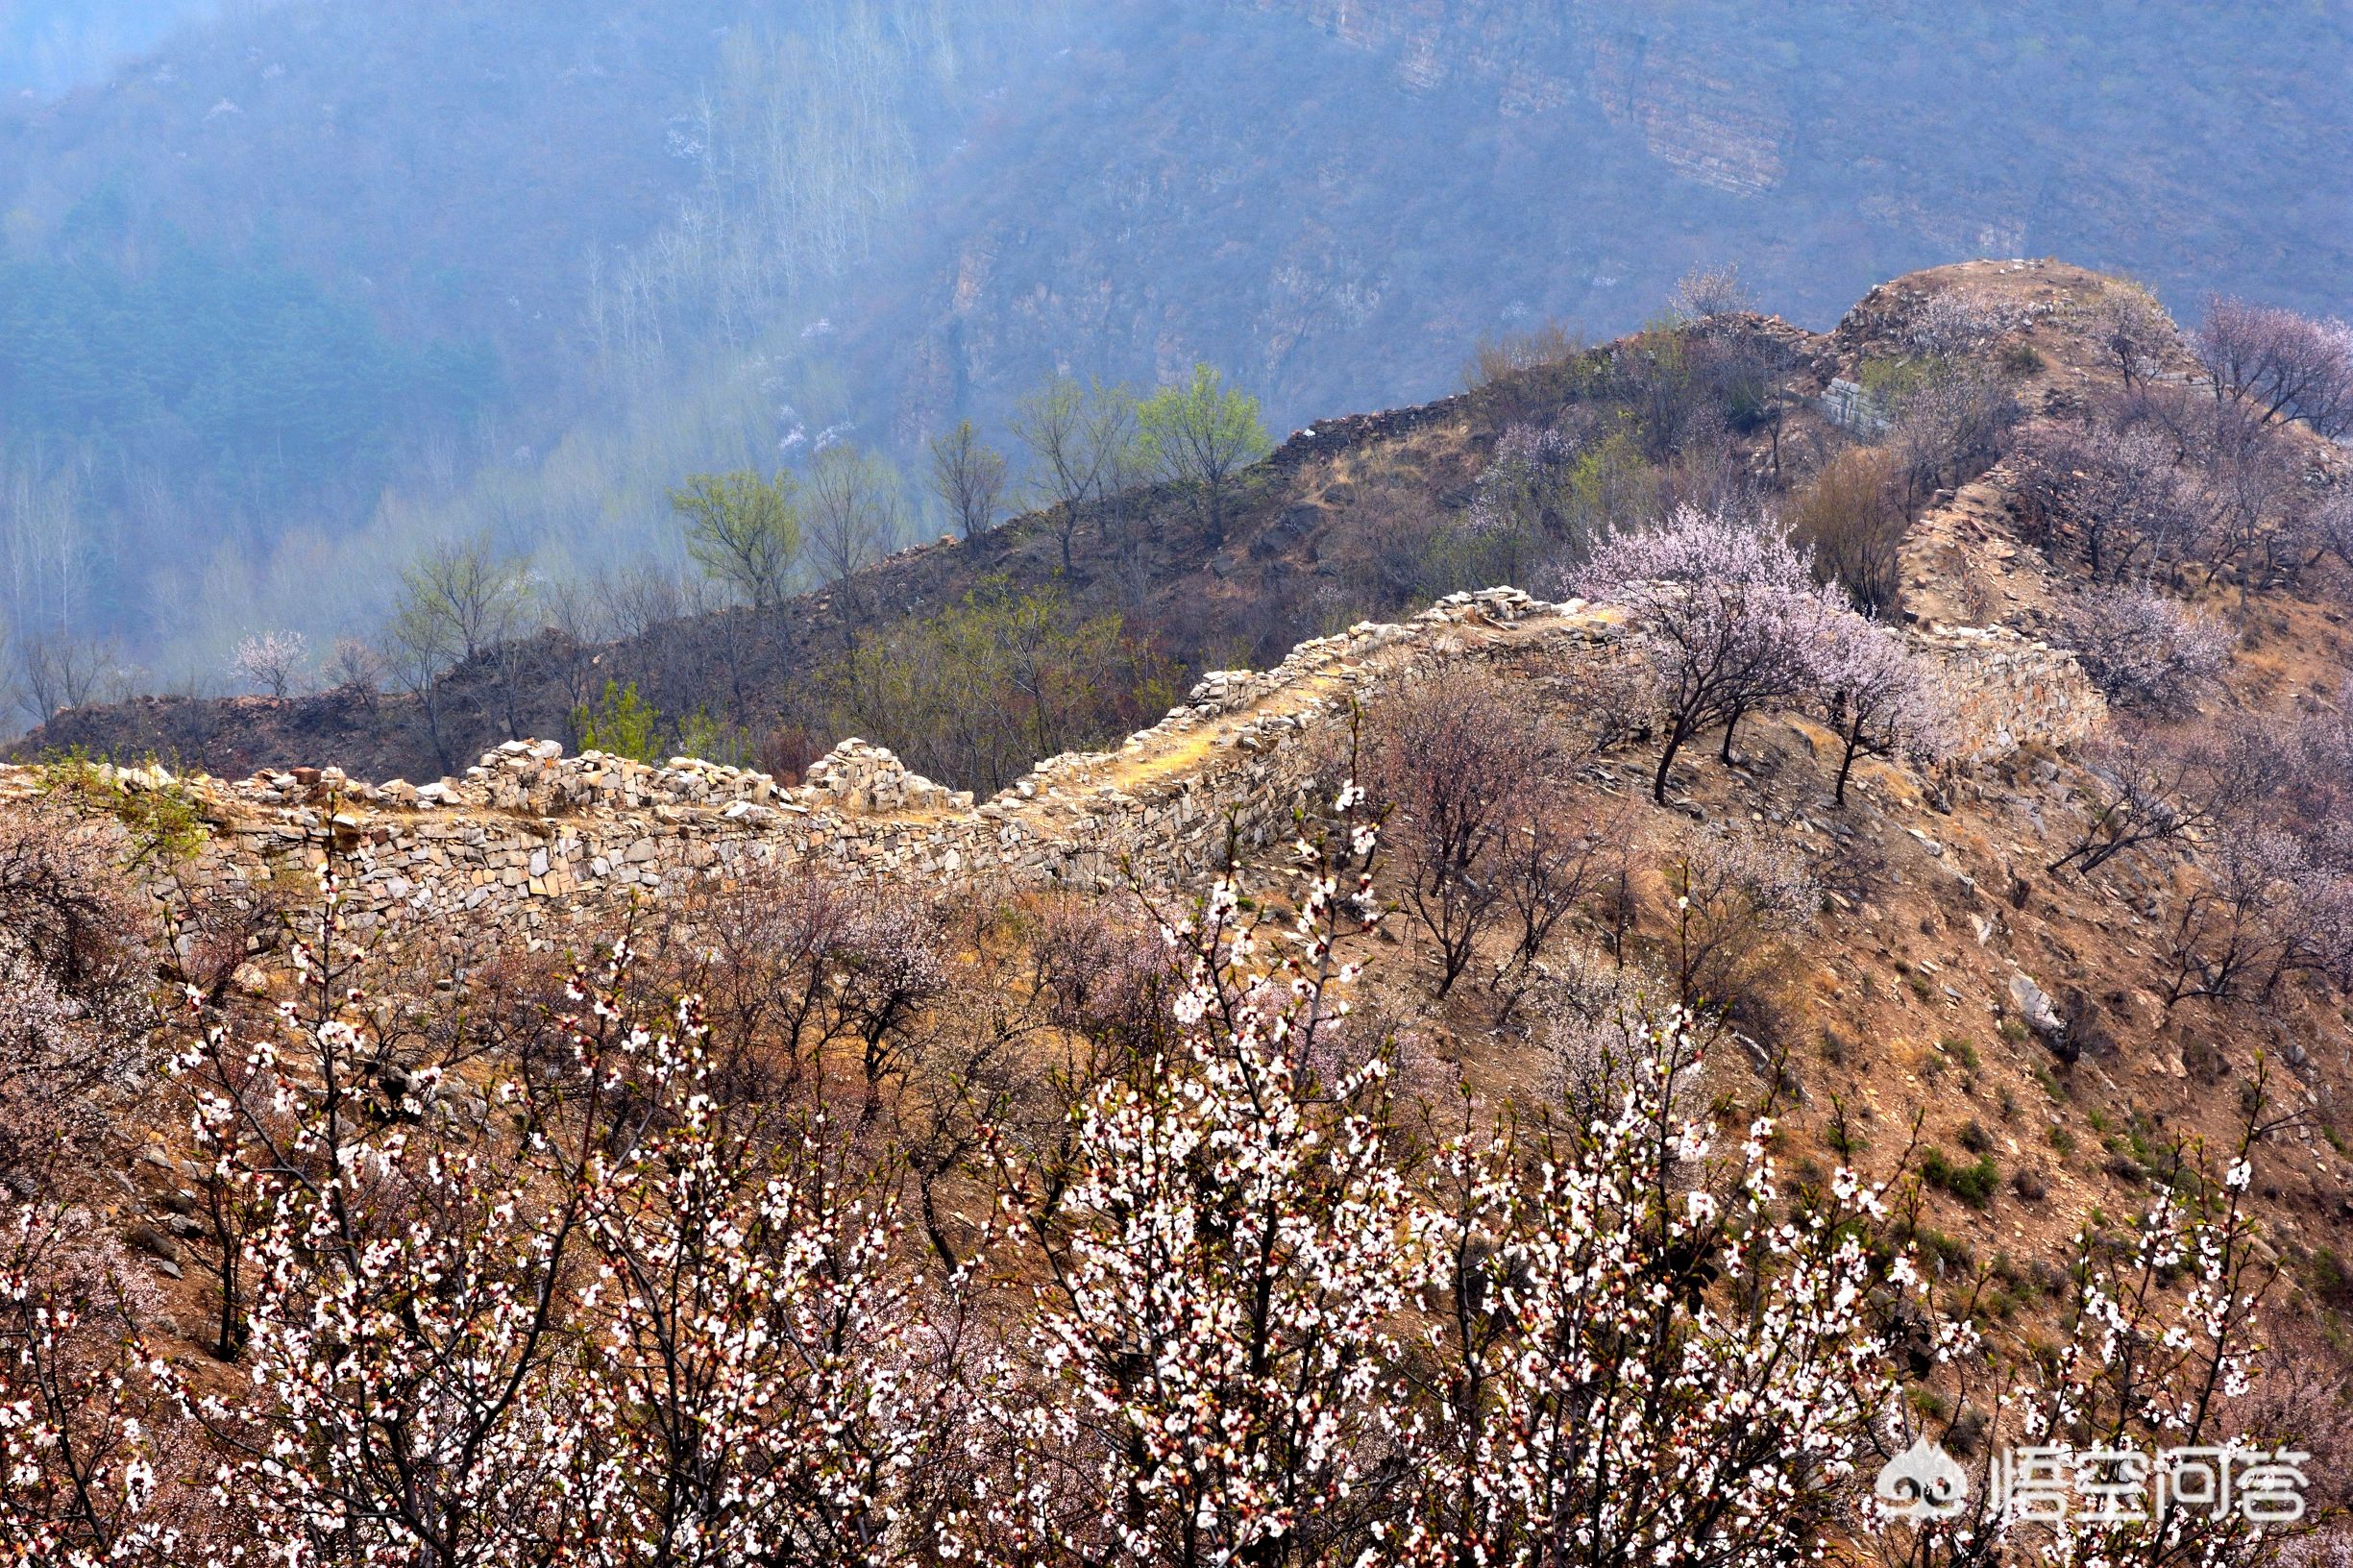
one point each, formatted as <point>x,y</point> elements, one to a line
<point>1248,1306</point>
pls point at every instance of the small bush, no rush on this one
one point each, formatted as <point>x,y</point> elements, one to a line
<point>159,814</point>
<point>2331,1281</point>
<point>1972,1184</point>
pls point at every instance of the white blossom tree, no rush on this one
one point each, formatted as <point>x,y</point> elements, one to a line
<point>1227,1265</point>
<point>1650,1353</point>
<point>2143,1400</point>
<point>762,1378</point>
<point>272,660</point>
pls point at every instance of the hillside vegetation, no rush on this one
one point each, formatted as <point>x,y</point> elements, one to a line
<point>329,284</point>
<point>1562,1079</point>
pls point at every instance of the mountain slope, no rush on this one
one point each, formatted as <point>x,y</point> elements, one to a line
<point>683,239</point>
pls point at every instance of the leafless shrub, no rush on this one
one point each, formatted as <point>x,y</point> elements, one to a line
<point>2332,524</point>
<point>1500,357</point>
<point>1851,517</point>
<point>355,666</point>
<point>61,670</point>
<point>1456,764</point>
<point>1598,1013</point>
<point>2251,487</point>
<point>1100,971</point>
<point>802,972</point>
<point>1734,894</point>
<point>2150,787</point>
<point>1556,861</point>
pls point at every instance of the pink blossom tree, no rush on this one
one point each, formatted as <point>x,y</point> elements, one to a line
<point>2145,649</point>
<point>2282,365</point>
<point>1727,612</point>
<point>1883,698</point>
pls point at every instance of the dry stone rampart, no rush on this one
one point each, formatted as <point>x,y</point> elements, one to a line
<point>2009,691</point>
<point>531,839</point>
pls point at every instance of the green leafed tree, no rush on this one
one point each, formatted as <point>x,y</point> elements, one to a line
<point>621,723</point>
<point>743,530</point>
<point>1202,434</point>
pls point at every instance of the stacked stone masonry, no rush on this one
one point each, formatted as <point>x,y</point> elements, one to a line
<point>530,838</point>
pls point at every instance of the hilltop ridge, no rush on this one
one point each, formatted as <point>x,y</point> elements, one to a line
<point>1310,542</point>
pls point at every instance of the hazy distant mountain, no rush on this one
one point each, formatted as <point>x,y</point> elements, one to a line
<point>50,46</point>
<point>351,274</point>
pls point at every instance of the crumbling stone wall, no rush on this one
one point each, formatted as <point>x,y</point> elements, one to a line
<point>2010,690</point>
<point>530,840</point>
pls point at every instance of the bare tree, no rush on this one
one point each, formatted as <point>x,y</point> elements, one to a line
<point>1954,426</point>
<point>63,670</point>
<point>2119,496</point>
<point>467,595</point>
<point>416,655</point>
<point>356,667</point>
<point>1851,517</point>
<point>2150,787</point>
<point>1734,890</point>
<point>968,477</point>
<point>854,515</point>
<point>1459,767</point>
<point>1077,437</point>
